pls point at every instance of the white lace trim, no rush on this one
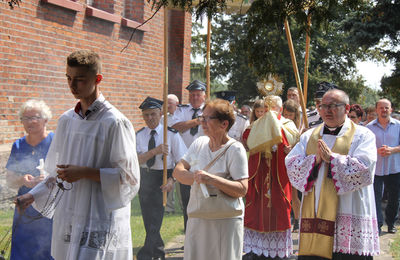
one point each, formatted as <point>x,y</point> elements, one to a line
<point>356,235</point>
<point>299,168</point>
<point>349,174</point>
<point>272,244</point>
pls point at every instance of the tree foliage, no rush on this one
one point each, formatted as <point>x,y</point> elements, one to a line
<point>245,49</point>
<point>257,45</point>
<point>272,11</point>
<point>377,28</point>
<point>374,23</point>
<point>391,87</point>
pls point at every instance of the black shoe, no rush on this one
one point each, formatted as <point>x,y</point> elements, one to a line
<point>392,230</point>
<point>380,232</point>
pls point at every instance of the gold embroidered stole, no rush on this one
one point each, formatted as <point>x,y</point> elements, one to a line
<point>317,231</point>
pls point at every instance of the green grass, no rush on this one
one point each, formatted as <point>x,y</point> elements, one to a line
<point>395,247</point>
<point>171,227</point>
<point>6,218</point>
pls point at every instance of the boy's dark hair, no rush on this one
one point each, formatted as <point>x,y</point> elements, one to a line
<point>85,58</point>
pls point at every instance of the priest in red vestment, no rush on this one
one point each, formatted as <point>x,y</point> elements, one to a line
<point>268,200</point>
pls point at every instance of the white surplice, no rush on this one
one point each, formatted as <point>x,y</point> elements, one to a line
<point>356,229</point>
<point>92,220</point>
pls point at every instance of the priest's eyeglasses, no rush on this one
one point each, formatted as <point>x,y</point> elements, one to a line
<point>331,106</point>
<point>205,119</point>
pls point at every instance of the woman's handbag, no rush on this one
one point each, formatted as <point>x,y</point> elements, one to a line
<point>218,206</point>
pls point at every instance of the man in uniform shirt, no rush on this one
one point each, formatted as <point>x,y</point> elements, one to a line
<point>151,148</point>
<point>313,116</point>
<point>173,103</point>
<point>241,122</point>
<point>190,127</point>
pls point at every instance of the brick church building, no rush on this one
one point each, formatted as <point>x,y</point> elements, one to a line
<point>37,36</point>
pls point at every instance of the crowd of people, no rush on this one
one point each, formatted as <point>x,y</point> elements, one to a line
<point>247,179</point>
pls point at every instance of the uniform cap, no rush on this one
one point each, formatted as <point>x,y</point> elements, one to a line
<point>323,87</point>
<point>150,103</point>
<point>196,85</point>
<point>226,95</point>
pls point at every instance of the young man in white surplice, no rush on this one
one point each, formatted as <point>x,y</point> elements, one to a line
<point>92,154</point>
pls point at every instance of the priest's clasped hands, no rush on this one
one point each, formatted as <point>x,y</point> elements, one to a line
<point>323,152</point>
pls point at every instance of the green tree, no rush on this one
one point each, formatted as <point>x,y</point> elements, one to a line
<point>391,87</point>
<point>198,68</point>
<point>244,51</point>
<point>376,28</point>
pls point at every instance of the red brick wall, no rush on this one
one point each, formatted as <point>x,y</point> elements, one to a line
<point>36,37</point>
<point>105,5</point>
<point>134,10</point>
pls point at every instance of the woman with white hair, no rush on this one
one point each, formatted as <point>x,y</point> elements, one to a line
<point>31,236</point>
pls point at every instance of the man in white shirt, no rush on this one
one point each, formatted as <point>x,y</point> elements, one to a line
<point>151,149</point>
<point>189,127</point>
<point>93,172</point>
<point>173,103</point>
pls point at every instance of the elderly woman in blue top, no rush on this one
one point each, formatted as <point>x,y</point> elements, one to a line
<point>31,239</point>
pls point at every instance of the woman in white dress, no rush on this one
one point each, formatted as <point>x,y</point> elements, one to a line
<point>214,237</point>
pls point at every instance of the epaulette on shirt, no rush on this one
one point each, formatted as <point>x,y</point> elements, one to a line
<point>312,113</point>
<point>316,122</point>
<point>183,105</point>
<point>138,131</point>
<point>242,116</point>
<point>173,130</point>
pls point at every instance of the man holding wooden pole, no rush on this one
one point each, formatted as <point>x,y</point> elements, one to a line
<point>151,149</point>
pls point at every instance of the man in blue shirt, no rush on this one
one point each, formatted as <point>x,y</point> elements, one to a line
<point>387,133</point>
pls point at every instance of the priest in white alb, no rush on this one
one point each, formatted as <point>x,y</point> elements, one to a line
<point>93,172</point>
<point>333,166</point>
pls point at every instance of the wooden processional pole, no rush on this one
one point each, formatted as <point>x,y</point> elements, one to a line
<point>165,99</point>
<point>296,72</point>
<point>208,58</point>
<point>307,62</point>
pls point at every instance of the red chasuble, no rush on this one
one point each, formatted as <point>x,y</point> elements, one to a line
<point>269,192</point>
